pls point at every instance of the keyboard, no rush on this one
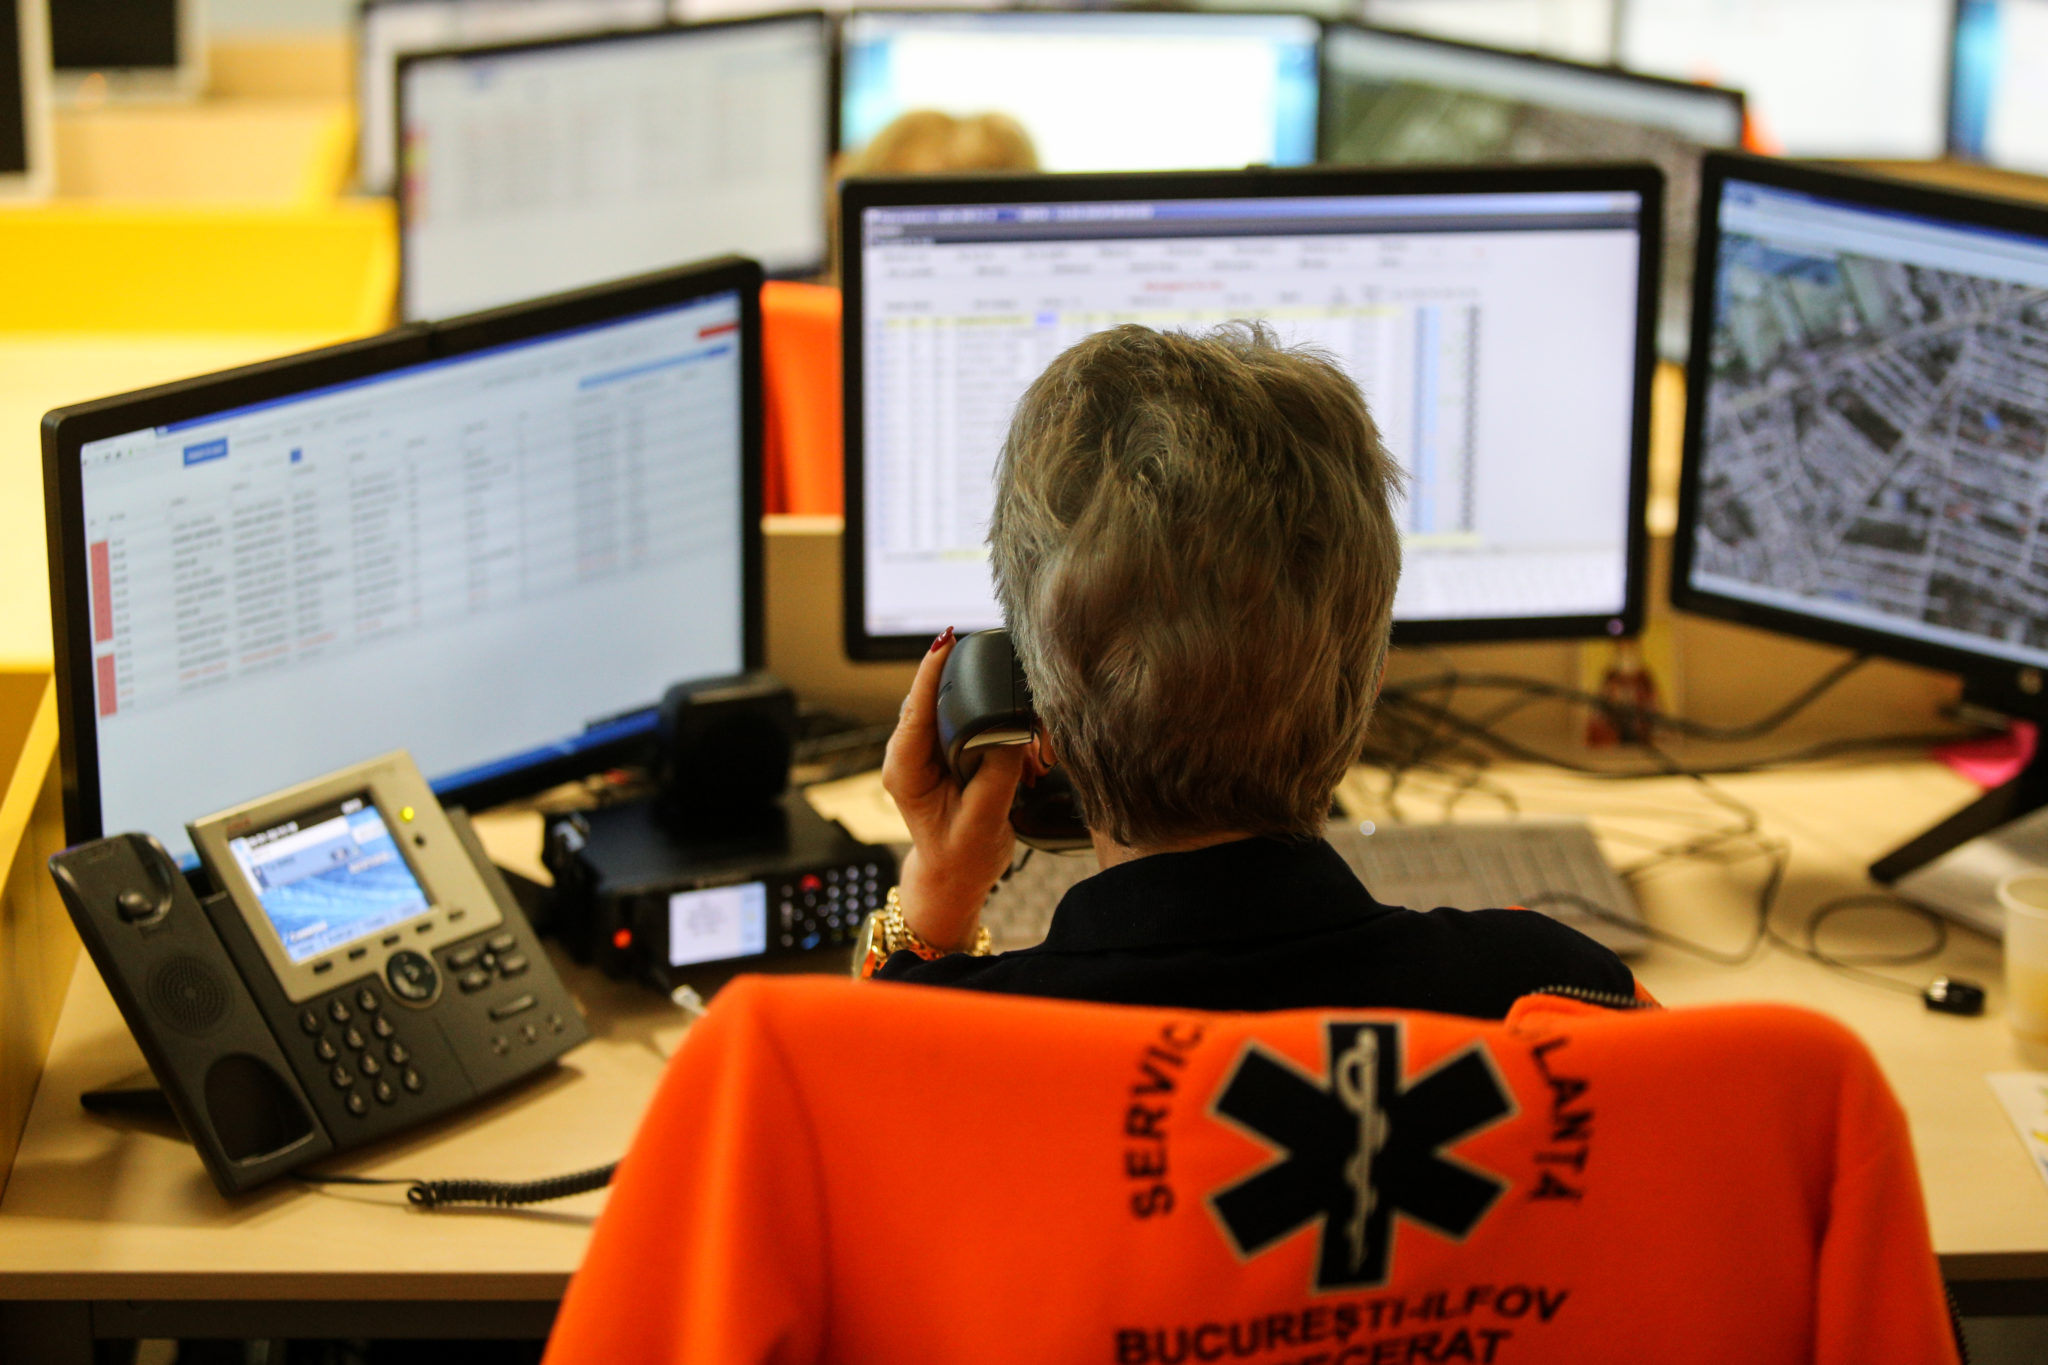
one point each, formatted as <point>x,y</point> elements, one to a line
<point>1472,866</point>
<point>1480,865</point>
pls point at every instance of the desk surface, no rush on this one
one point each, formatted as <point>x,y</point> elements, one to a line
<point>104,1210</point>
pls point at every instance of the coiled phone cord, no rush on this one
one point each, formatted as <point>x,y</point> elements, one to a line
<point>437,1194</point>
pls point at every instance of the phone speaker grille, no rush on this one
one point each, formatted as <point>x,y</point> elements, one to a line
<point>188,994</point>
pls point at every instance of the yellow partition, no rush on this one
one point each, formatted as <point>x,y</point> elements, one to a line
<point>73,267</point>
<point>280,152</point>
<point>37,944</point>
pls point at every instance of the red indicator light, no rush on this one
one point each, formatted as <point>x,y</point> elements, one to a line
<point>810,881</point>
<point>623,939</point>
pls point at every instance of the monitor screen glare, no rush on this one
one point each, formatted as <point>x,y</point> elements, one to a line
<point>546,168</point>
<point>1097,91</point>
<point>1873,436</point>
<point>488,559</point>
<point>1393,98</point>
<point>1495,337</point>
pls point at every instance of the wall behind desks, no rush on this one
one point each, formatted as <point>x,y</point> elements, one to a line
<point>37,945</point>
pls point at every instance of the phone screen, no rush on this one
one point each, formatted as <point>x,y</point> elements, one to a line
<point>717,923</point>
<point>329,876</point>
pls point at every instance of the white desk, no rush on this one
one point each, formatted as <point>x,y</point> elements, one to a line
<point>112,1229</point>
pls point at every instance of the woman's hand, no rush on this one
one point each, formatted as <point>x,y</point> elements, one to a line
<point>960,836</point>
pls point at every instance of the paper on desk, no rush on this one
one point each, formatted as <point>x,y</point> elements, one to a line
<point>2025,1097</point>
<point>860,804</point>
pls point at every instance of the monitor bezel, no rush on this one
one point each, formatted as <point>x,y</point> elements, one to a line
<point>1036,13</point>
<point>1326,113</point>
<point>828,36</point>
<point>856,196</point>
<point>66,431</point>
<point>2011,682</point>
<point>184,78</point>
<point>360,58</point>
<point>37,178</point>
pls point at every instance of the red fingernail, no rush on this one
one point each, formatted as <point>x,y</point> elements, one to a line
<point>945,636</point>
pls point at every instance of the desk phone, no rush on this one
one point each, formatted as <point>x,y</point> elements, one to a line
<point>361,968</point>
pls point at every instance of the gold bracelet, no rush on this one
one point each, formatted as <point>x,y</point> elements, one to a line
<point>887,933</point>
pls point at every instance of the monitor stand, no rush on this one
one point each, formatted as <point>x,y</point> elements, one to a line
<point>1996,808</point>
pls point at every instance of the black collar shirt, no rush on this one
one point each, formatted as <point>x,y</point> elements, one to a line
<point>1258,924</point>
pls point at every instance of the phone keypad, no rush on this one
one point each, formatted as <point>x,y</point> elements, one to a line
<point>361,1063</point>
<point>826,908</point>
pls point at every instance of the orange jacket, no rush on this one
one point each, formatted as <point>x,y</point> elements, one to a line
<point>834,1172</point>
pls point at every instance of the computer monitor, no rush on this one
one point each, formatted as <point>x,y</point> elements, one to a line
<point>1998,110</point>
<point>1825,78</point>
<point>1581,30</point>
<point>128,47</point>
<point>1866,451</point>
<point>387,29</point>
<point>557,164</point>
<point>1098,90</point>
<point>494,542</point>
<point>1498,321</point>
<point>1392,98</point>
<point>25,171</point>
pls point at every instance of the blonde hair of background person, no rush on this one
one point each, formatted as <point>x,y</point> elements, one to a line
<point>1195,550</point>
<point>929,142</point>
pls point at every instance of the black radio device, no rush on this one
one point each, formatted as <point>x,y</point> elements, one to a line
<point>648,893</point>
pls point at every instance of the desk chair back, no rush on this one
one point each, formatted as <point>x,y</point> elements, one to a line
<point>834,1172</point>
<point>800,372</point>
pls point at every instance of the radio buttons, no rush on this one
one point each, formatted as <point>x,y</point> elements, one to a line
<point>516,1005</point>
<point>412,977</point>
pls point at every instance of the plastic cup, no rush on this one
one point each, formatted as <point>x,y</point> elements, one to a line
<point>2024,897</point>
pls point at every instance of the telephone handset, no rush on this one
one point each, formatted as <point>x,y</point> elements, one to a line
<point>361,969</point>
<point>983,702</point>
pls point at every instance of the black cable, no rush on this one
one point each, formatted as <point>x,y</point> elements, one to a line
<point>1452,679</point>
<point>1824,749</point>
<point>1852,966</point>
<point>436,1194</point>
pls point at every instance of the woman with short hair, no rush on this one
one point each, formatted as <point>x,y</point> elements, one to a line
<point>1195,551</point>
